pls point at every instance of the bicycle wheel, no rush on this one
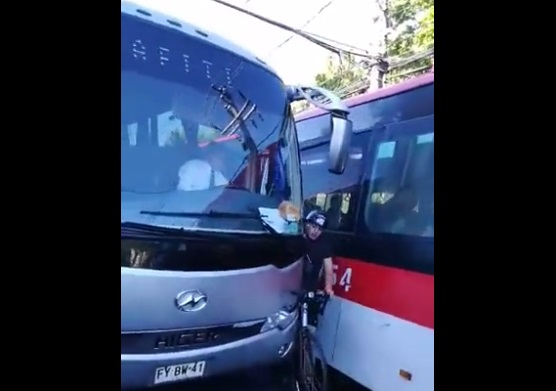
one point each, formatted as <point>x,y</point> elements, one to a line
<point>313,372</point>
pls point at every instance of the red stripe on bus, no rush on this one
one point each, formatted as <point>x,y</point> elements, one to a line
<point>401,293</point>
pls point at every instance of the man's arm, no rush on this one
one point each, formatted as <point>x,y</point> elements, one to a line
<point>328,276</point>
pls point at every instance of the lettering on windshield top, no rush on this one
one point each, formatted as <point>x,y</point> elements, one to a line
<point>140,52</point>
<point>208,64</point>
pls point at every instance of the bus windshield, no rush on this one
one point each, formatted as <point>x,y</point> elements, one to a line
<point>201,129</point>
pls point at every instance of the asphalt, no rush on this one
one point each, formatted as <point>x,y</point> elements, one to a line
<point>256,380</point>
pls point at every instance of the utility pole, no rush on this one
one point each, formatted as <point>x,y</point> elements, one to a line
<point>377,70</point>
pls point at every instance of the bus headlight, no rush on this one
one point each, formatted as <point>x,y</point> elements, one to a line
<point>280,320</point>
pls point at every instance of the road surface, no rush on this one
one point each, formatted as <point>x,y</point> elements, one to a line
<point>257,380</point>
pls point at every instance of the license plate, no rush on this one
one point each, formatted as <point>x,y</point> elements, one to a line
<point>179,372</point>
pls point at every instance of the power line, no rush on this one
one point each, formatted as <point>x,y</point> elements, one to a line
<point>336,42</point>
<point>312,18</point>
<point>397,62</point>
<point>391,63</point>
<point>413,71</point>
<point>301,33</point>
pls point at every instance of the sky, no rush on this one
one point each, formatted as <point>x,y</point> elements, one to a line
<point>298,61</point>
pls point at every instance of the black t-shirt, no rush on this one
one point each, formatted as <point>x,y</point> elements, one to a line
<point>316,252</point>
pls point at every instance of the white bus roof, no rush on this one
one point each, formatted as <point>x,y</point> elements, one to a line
<point>190,29</point>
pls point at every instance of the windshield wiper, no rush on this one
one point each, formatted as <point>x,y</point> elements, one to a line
<point>131,229</point>
<point>149,228</point>
<point>239,117</point>
<point>217,214</point>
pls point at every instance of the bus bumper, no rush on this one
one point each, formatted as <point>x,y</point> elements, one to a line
<point>269,348</point>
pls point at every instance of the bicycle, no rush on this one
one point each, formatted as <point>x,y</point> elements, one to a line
<point>311,376</point>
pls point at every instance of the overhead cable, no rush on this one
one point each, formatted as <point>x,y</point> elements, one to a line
<point>307,36</point>
<point>397,62</point>
<point>312,18</point>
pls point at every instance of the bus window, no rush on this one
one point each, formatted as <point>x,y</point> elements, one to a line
<point>338,207</point>
<point>337,195</point>
<point>404,106</point>
<point>407,105</point>
<point>313,128</point>
<point>401,194</point>
<point>129,135</point>
<point>172,131</point>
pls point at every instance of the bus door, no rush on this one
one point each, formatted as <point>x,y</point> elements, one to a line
<point>387,321</point>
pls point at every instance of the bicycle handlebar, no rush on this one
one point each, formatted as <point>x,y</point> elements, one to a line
<point>322,298</point>
<point>319,297</point>
<point>305,294</point>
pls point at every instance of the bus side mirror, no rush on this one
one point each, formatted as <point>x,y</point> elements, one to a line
<point>340,141</point>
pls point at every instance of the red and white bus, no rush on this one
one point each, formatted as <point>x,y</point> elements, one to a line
<point>379,329</point>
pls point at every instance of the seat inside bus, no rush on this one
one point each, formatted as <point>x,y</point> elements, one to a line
<point>403,189</point>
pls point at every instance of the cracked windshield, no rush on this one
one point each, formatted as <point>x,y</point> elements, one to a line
<point>201,131</point>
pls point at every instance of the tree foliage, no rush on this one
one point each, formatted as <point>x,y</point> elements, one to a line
<point>413,33</point>
<point>177,136</point>
<point>299,106</point>
<point>340,73</point>
<point>409,30</point>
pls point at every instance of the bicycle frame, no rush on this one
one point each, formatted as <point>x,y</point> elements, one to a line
<point>304,314</point>
<point>305,306</point>
<point>309,343</point>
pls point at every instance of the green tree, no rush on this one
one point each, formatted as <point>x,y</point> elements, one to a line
<point>204,134</point>
<point>299,106</point>
<point>408,34</point>
<point>341,74</point>
<point>412,24</point>
<point>176,137</point>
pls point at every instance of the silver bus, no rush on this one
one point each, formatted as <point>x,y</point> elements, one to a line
<point>210,202</point>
